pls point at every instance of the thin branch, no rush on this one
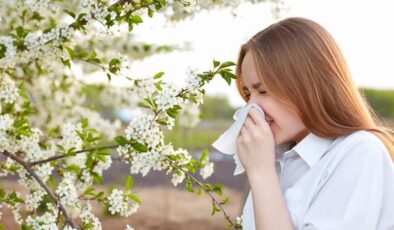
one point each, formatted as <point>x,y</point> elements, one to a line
<point>205,189</point>
<point>42,184</point>
<point>68,155</point>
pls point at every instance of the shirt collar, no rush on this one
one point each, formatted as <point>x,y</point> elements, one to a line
<point>310,149</point>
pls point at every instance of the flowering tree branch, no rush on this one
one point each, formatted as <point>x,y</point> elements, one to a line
<point>42,184</point>
<point>57,157</point>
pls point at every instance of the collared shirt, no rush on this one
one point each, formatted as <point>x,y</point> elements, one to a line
<point>341,183</point>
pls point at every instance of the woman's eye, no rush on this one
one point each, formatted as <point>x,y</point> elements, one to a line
<point>262,92</point>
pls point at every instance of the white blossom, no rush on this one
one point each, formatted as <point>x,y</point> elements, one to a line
<point>33,199</point>
<point>8,90</point>
<point>120,202</point>
<point>177,178</point>
<point>144,130</point>
<point>168,97</point>
<point>207,170</point>
<point>70,138</point>
<point>87,217</point>
<point>45,222</point>
<point>67,191</point>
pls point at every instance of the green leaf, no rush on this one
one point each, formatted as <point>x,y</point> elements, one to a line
<point>177,107</point>
<point>21,32</point>
<point>109,77</point>
<point>121,140</point>
<point>226,64</point>
<point>73,168</point>
<point>140,147</point>
<point>204,156</point>
<point>101,158</point>
<point>70,52</point>
<point>104,152</point>
<point>135,198</point>
<point>218,189</point>
<point>66,62</point>
<point>97,178</point>
<point>84,123</point>
<point>158,75</point>
<point>226,76</point>
<point>69,12</point>
<point>215,209</point>
<point>172,113</point>
<point>150,13</point>
<point>135,19</point>
<point>89,191</point>
<point>2,193</point>
<point>225,200</point>
<point>129,183</point>
<point>216,63</point>
<point>25,227</point>
<point>189,185</point>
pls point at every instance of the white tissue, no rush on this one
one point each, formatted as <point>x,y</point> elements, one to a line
<point>226,143</point>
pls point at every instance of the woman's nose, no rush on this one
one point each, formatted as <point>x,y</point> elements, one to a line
<point>252,99</point>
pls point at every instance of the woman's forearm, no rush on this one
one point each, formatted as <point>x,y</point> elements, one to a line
<point>270,210</point>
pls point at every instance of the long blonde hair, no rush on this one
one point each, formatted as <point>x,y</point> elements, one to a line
<point>301,65</point>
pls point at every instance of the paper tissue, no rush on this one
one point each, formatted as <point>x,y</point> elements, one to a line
<point>226,143</point>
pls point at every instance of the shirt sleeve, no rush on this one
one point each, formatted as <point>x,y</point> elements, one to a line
<point>359,192</point>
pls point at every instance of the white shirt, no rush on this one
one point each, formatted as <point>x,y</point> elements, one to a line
<point>341,183</point>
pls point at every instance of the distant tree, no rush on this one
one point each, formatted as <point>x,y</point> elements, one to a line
<point>382,101</point>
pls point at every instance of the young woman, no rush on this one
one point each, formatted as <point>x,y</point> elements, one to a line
<point>320,159</point>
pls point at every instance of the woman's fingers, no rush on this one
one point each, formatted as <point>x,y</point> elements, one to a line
<point>257,118</point>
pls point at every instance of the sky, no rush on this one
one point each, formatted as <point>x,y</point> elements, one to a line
<point>363,29</point>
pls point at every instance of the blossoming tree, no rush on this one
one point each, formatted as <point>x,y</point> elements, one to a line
<point>52,139</point>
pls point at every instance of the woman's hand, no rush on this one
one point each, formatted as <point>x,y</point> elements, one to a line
<point>256,144</point>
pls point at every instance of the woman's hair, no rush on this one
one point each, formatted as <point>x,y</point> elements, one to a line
<point>301,65</point>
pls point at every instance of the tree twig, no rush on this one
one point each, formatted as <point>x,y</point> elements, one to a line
<point>57,157</point>
<point>42,184</point>
<point>205,189</point>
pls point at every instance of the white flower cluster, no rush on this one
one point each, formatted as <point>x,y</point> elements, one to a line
<point>119,202</point>
<point>44,171</point>
<point>182,157</point>
<point>8,90</point>
<point>6,122</point>
<point>34,198</point>
<point>144,87</point>
<point>207,170</point>
<point>128,227</point>
<point>168,97</point>
<point>66,190</point>
<point>36,5</point>
<point>144,162</point>
<point>7,60</point>
<point>238,220</point>
<point>88,218</point>
<point>70,138</point>
<point>193,84</point>
<point>145,130</point>
<point>45,222</point>
<point>15,206</point>
<point>177,177</point>
<point>30,146</point>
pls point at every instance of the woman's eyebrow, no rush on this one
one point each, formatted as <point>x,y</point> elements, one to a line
<point>254,86</point>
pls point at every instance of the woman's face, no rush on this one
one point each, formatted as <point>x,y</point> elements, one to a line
<point>285,126</point>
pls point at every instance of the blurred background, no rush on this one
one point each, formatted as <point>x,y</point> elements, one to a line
<point>363,30</point>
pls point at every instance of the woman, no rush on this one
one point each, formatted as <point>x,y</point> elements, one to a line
<point>320,159</point>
